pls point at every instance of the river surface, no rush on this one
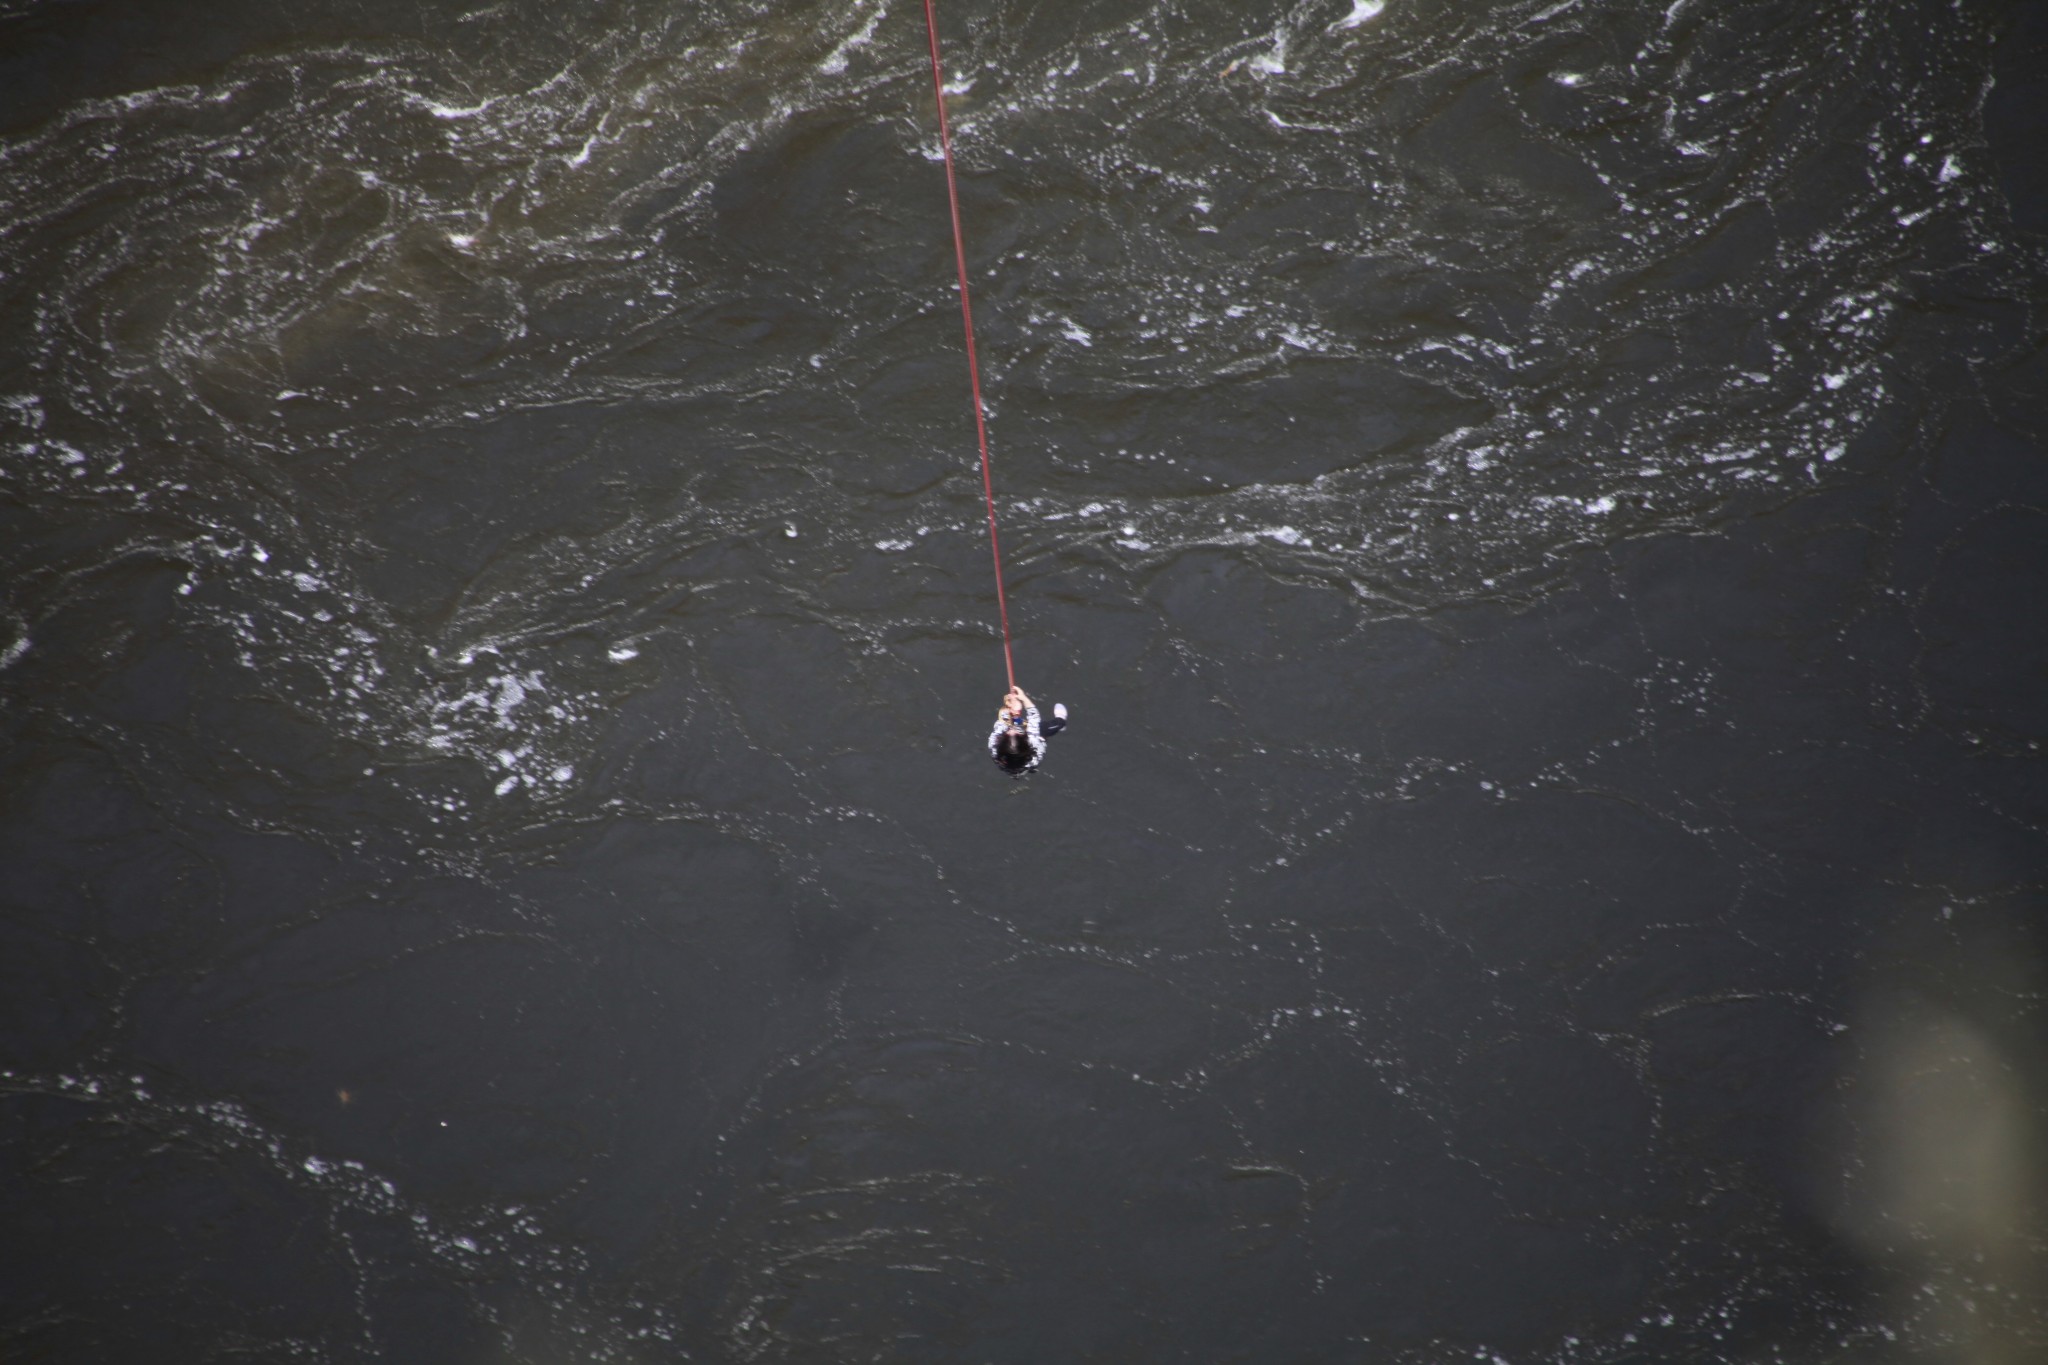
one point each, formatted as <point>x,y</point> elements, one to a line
<point>1538,509</point>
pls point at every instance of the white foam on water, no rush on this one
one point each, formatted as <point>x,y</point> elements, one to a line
<point>511,695</point>
<point>453,111</point>
<point>1362,12</point>
<point>1273,61</point>
<point>835,62</point>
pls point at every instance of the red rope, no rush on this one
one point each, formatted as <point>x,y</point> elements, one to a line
<point>988,488</point>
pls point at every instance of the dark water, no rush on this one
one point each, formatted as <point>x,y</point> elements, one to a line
<point>1540,511</point>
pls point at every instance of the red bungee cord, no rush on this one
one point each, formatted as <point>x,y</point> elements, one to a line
<point>988,488</point>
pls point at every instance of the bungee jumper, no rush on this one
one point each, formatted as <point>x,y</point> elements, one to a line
<point>1017,742</point>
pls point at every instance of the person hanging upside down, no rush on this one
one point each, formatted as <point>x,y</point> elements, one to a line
<point>1018,740</point>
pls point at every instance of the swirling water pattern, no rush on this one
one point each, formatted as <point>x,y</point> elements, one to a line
<point>497,635</point>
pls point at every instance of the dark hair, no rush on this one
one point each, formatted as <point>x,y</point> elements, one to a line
<point>1013,750</point>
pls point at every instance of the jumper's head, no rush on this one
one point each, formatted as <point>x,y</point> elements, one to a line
<point>1013,750</point>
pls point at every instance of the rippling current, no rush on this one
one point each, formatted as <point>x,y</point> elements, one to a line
<point>1536,508</point>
